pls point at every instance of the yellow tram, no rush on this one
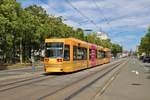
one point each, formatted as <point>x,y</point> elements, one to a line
<point>70,54</point>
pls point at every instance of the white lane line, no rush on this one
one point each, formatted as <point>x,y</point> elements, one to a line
<point>147,69</point>
<point>135,71</point>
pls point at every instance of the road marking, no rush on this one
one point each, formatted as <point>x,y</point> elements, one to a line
<point>135,71</point>
<point>108,83</point>
<point>147,69</point>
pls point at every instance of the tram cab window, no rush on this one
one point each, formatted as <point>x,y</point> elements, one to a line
<point>54,49</point>
<point>66,53</point>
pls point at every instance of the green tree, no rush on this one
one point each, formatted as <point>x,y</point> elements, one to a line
<point>9,11</point>
<point>91,38</point>
<point>79,34</point>
<point>115,48</point>
<point>23,30</point>
<point>145,44</point>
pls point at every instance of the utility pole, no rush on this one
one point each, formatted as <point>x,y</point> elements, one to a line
<point>32,60</point>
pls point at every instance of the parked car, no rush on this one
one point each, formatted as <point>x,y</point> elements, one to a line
<point>146,59</point>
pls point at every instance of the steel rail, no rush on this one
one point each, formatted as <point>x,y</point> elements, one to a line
<point>21,83</point>
<point>79,80</point>
<point>108,82</point>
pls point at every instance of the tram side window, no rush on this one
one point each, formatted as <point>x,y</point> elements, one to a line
<point>90,53</point>
<point>109,54</point>
<point>74,52</point>
<point>67,53</point>
<point>79,54</point>
<point>98,54</point>
<point>82,53</point>
<point>105,54</point>
<point>102,54</point>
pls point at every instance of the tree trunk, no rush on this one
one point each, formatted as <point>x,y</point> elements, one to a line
<point>21,57</point>
<point>14,48</point>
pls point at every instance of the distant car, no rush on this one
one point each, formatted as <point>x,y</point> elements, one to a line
<point>141,57</point>
<point>146,59</point>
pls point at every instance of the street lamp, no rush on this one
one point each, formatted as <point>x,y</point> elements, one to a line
<point>87,31</point>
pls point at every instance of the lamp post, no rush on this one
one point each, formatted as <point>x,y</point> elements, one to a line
<point>32,60</point>
<point>87,31</point>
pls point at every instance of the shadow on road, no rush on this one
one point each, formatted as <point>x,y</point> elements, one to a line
<point>147,66</point>
<point>62,73</point>
<point>55,73</point>
<point>148,77</point>
<point>3,67</point>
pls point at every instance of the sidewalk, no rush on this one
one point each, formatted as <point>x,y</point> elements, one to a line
<point>18,66</point>
<point>133,83</point>
<point>21,70</point>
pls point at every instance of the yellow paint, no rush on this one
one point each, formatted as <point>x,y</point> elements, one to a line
<point>52,65</point>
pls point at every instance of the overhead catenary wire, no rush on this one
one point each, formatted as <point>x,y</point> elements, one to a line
<point>100,10</point>
<point>82,14</point>
<point>44,2</point>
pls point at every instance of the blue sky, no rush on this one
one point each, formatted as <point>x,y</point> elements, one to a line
<point>125,21</point>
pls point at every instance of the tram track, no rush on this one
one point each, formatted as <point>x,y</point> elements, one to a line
<point>28,81</point>
<point>89,84</point>
<point>102,88</point>
<point>20,83</point>
<point>23,80</point>
<point>108,83</point>
<point>79,80</point>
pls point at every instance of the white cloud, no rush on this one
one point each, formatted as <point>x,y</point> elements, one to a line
<point>123,15</point>
<point>71,23</point>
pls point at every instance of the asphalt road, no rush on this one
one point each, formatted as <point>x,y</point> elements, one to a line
<point>124,79</point>
<point>23,71</point>
<point>133,83</point>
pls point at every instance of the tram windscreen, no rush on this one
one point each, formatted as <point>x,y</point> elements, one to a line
<point>54,50</point>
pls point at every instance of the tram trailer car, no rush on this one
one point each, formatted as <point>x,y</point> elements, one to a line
<point>70,54</point>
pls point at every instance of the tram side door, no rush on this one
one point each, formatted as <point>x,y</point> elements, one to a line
<point>93,57</point>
